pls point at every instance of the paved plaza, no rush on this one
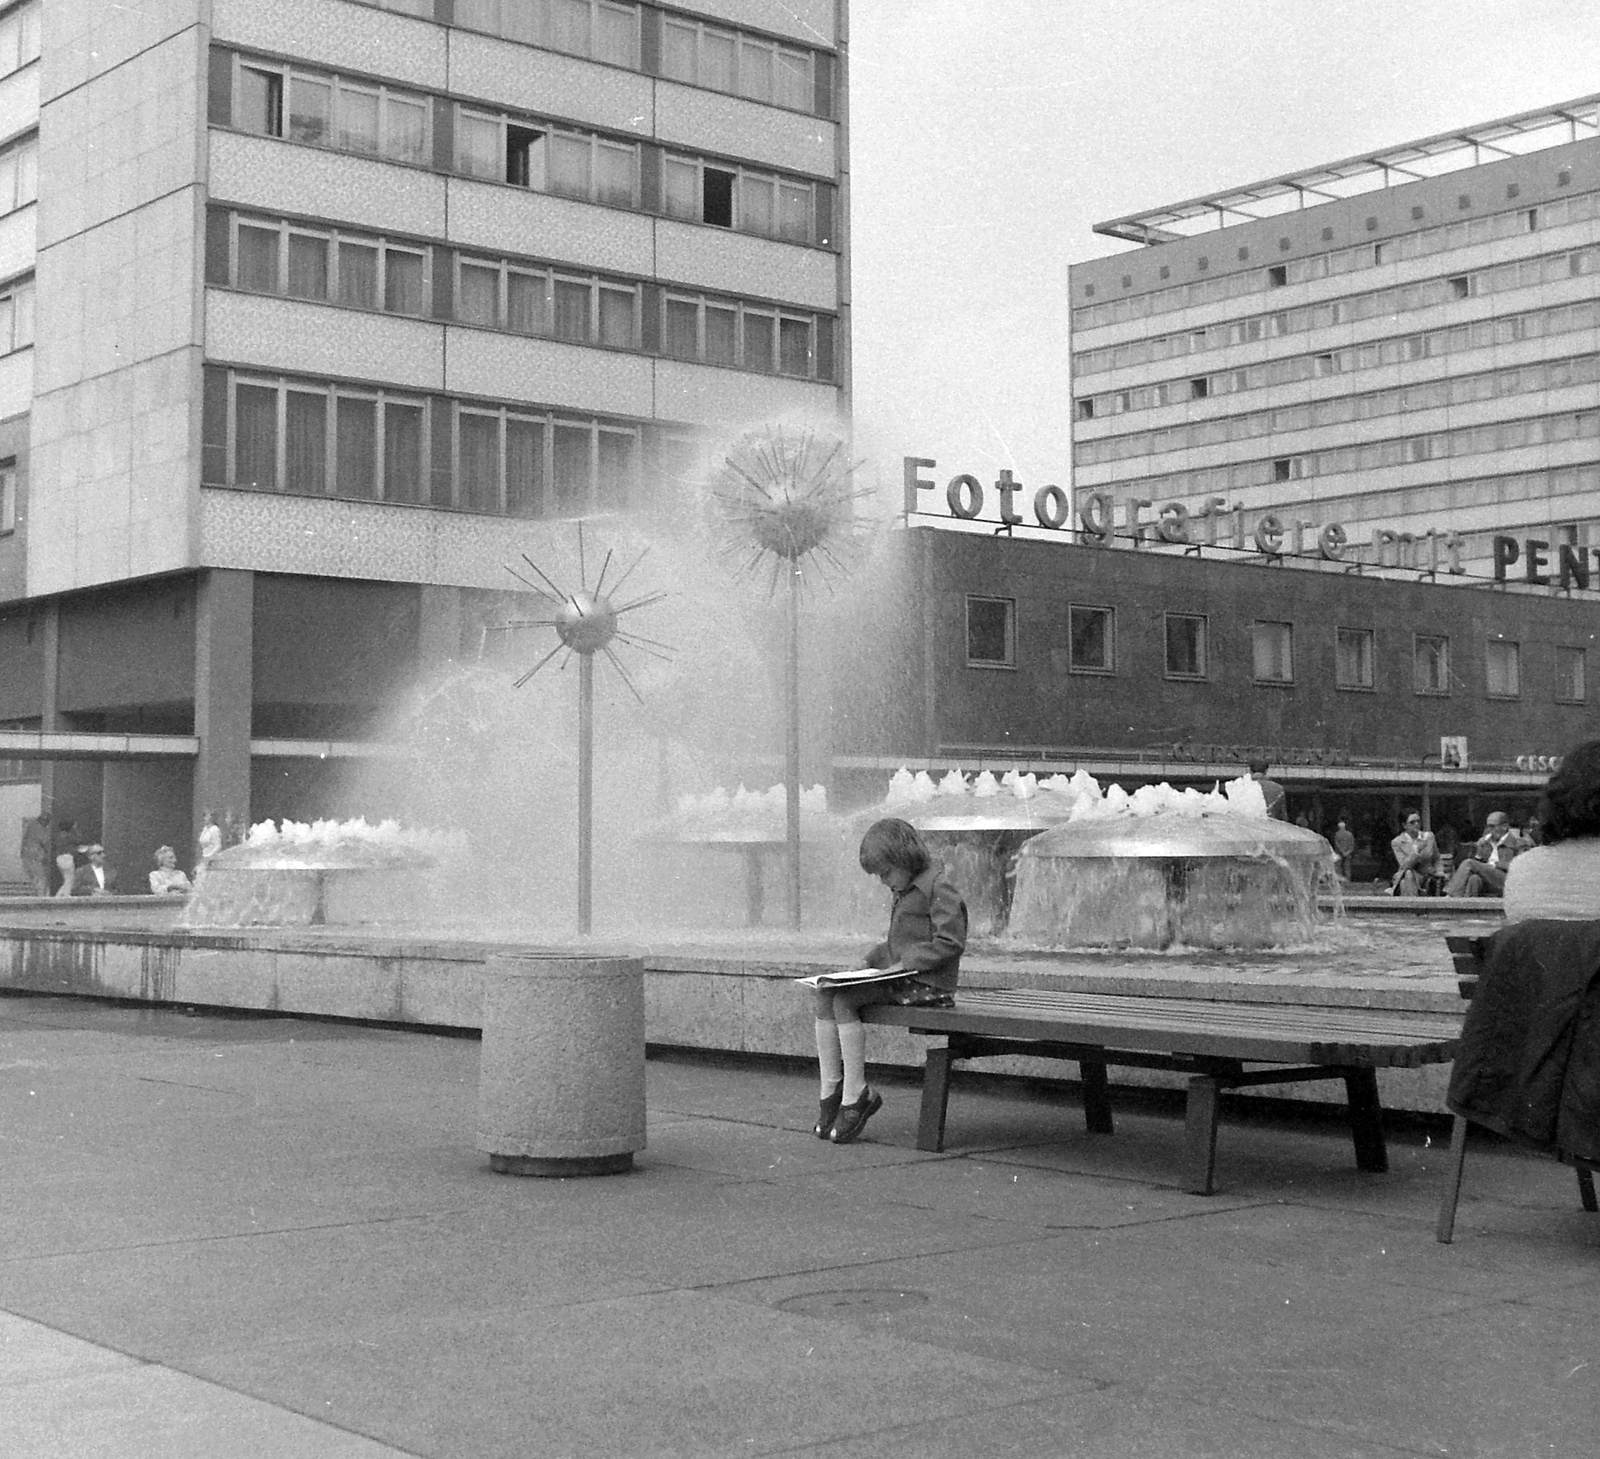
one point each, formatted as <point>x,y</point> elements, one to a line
<point>248,1236</point>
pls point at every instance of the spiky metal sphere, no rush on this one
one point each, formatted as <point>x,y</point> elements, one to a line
<point>586,622</point>
<point>789,497</point>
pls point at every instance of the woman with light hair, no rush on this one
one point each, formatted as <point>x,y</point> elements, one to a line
<point>168,878</point>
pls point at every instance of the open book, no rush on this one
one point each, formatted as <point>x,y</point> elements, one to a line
<point>853,977</point>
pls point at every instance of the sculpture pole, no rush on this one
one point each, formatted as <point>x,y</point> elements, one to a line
<point>791,776</point>
<point>585,792</point>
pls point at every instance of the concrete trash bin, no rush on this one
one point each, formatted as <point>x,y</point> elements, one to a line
<point>561,1076</point>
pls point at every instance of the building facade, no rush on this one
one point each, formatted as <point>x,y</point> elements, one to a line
<point>1406,343</point>
<point>1366,692</point>
<point>317,313</point>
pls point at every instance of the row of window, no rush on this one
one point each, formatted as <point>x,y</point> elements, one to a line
<point>1422,395</point>
<point>1400,299</point>
<point>363,271</point>
<point>1092,637</point>
<point>1399,349</point>
<point>319,109</point>
<point>313,438</point>
<point>1420,244</point>
<point>1506,435</point>
<point>16,315</point>
<point>19,37</point>
<point>698,52</point>
<point>19,174</point>
<point>1440,498</point>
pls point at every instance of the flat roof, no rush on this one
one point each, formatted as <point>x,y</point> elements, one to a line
<point>1513,136</point>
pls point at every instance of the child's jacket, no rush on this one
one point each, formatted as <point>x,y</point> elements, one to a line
<point>927,932</point>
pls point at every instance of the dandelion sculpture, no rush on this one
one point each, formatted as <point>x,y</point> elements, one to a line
<point>586,624</point>
<point>788,498</point>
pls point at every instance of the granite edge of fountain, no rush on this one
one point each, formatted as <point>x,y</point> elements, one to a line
<point>698,998</point>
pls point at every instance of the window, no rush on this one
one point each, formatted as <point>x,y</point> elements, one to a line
<point>1430,658</point>
<point>272,257</point>
<point>991,632</point>
<point>19,174</point>
<point>1272,652</point>
<point>1353,658</point>
<point>8,496</point>
<point>331,111</point>
<point>1086,408</point>
<point>571,164</point>
<point>602,30</point>
<point>1502,666</point>
<point>1277,276</point>
<point>1186,646</point>
<point>1091,639</point>
<point>744,65</point>
<point>749,201</point>
<point>19,38</point>
<point>1569,675</point>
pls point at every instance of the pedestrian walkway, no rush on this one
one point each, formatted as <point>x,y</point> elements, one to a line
<point>240,1236</point>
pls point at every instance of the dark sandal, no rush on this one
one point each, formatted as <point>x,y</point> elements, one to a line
<point>853,1117</point>
<point>828,1112</point>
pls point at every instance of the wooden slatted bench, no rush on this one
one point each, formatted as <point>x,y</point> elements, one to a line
<point>1212,1042</point>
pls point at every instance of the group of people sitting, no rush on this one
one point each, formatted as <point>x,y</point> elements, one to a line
<point>81,870</point>
<point>1548,877</point>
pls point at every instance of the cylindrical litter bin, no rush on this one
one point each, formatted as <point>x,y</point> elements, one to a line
<point>561,1077</point>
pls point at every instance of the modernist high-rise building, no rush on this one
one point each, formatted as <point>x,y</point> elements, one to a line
<point>310,310</point>
<point>1405,342</point>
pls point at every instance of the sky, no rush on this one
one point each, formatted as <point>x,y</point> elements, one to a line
<point>988,136</point>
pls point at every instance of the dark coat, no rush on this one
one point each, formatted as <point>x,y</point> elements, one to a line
<point>1528,1065</point>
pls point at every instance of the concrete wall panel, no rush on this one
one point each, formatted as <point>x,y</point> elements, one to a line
<point>315,339</point>
<point>786,140</point>
<point>121,140</point>
<point>483,215</point>
<point>736,263</point>
<point>84,41</point>
<point>546,83</point>
<point>354,37</point>
<point>706,396</point>
<point>511,367</point>
<point>281,177</point>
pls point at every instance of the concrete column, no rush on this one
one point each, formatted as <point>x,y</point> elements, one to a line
<point>50,698</point>
<point>561,1074</point>
<point>439,629</point>
<point>223,649</point>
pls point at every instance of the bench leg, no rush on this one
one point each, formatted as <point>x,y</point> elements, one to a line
<point>1200,1134</point>
<point>1444,1229</point>
<point>1586,1189</point>
<point>1096,1097</point>
<point>935,1100</point>
<point>1366,1119</point>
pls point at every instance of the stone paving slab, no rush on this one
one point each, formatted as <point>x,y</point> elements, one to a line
<point>240,1236</point>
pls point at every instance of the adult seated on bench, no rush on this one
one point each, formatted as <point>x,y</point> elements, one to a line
<point>1483,874</point>
<point>1560,877</point>
<point>1416,855</point>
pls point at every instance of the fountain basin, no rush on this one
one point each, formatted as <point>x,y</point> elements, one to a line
<point>1156,881</point>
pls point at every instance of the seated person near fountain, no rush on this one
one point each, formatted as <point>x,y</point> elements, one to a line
<point>927,933</point>
<point>1560,877</point>
<point>1483,874</point>
<point>168,877</point>
<point>1416,857</point>
<point>94,878</point>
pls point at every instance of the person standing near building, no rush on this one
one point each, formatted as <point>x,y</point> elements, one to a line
<point>1277,801</point>
<point>1344,847</point>
<point>1484,872</point>
<point>35,853</point>
<point>210,839</point>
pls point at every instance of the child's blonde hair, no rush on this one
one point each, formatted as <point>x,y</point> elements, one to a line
<point>893,844</point>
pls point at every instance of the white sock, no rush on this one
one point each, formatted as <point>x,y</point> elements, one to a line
<point>853,1048</point>
<point>829,1059</point>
